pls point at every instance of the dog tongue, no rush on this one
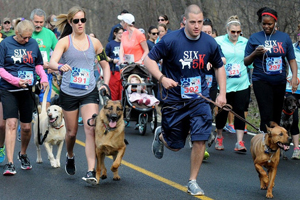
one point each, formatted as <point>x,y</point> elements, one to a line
<point>52,120</point>
<point>112,124</point>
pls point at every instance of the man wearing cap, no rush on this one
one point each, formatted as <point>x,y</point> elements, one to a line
<point>111,34</point>
<point>46,40</point>
<point>6,27</point>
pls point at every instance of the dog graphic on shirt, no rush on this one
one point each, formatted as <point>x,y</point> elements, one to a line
<point>185,62</point>
<point>16,58</point>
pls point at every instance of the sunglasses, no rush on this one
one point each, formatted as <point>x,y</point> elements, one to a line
<point>206,20</point>
<point>161,20</point>
<point>76,21</point>
<point>234,32</point>
<point>154,33</point>
<point>24,38</point>
<point>6,22</point>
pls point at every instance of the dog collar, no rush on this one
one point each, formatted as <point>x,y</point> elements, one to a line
<point>58,127</point>
<point>107,128</point>
<point>287,112</point>
<point>269,150</point>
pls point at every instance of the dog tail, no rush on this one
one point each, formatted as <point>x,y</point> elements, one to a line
<point>45,99</point>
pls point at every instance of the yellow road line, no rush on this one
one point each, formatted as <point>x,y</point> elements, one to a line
<point>152,175</point>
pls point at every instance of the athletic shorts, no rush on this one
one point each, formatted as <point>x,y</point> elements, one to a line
<point>17,103</point>
<point>70,103</point>
<point>181,118</point>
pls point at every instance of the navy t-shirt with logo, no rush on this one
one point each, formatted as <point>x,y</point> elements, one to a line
<point>271,67</point>
<point>184,61</point>
<point>19,60</point>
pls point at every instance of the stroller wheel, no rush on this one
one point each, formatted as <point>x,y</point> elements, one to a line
<point>143,119</point>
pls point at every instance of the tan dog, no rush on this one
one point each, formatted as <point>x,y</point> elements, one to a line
<point>265,150</point>
<point>109,137</point>
<point>56,82</point>
<point>52,125</point>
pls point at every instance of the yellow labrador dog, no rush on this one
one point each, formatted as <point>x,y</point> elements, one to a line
<point>51,129</point>
<point>109,137</point>
<point>265,150</point>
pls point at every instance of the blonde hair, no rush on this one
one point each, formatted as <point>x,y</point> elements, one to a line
<point>23,25</point>
<point>63,20</point>
<point>233,20</point>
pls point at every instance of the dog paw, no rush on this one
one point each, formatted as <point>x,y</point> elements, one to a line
<point>104,176</point>
<point>269,195</point>
<point>116,178</point>
<point>39,161</point>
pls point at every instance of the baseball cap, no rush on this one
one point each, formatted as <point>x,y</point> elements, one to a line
<point>127,17</point>
<point>6,19</point>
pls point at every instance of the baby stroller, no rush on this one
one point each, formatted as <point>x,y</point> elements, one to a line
<point>132,110</point>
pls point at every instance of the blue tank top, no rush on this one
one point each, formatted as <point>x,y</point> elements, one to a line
<point>81,80</point>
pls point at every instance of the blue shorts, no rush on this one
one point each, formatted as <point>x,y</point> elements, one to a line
<point>41,95</point>
<point>181,118</point>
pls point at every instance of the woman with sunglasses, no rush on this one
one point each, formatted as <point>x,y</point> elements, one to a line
<point>112,51</point>
<point>268,50</point>
<point>20,63</point>
<point>237,81</point>
<point>163,19</point>
<point>133,46</point>
<point>77,51</point>
<point>152,34</point>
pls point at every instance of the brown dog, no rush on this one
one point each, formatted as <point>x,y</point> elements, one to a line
<point>109,138</point>
<point>265,153</point>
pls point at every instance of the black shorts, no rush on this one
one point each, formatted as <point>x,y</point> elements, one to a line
<point>17,103</point>
<point>71,103</point>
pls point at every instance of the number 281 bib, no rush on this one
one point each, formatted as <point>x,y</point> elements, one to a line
<point>191,85</point>
<point>80,78</point>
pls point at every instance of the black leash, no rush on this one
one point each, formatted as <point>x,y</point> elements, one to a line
<point>38,117</point>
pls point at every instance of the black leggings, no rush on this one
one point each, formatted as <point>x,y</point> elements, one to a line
<point>270,100</point>
<point>239,101</point>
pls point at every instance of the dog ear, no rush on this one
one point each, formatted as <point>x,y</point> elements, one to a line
<point>106,102</point>
<point>273,124</point>
<point>268,130</point>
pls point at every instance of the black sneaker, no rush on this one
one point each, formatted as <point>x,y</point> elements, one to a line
<point>9,169</point>
<point>25,162</point>
<point>90,177</point>
<point>70,165</point>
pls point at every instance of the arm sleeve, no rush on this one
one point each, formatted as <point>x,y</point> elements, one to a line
<point>9,78</point>
<point>41,72</point>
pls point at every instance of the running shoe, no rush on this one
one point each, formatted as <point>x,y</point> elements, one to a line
<point>206,155</point>
<point>70,167</point>
<point>157,145</point>
<point>2,154</point>
<point>219,143</point>
<point>240,147</point>
<point>296,154</point>
<point>90,177</point>
<point>9,169</point>
<point>194,189</point>
<point>25,162</point>
<point>80,121</point>
<point>229,128</point>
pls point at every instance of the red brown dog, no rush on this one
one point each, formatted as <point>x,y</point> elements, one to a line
<point>265,150</point>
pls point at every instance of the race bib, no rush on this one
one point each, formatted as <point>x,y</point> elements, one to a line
<point>45,56</point>
<point>274,65</point>
<point>27,76</point>
<point>189,86</point>
<point>233,70</point>
<point>129,58</point>
<point>209,79</point>
<point>80,78</point>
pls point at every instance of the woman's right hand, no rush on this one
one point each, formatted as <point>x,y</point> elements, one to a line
<point>260,50</point>
<point>65,68</point>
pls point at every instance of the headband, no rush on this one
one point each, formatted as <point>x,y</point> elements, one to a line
<point>267,13</point>
<point>234,22</point>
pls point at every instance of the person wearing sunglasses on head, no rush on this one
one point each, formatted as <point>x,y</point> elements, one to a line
<point>20,63</point>
<point>268,50</point>
<point>237,81</point>
<point>76,52</point>
<point>7,27</point>
<point>163,19</point>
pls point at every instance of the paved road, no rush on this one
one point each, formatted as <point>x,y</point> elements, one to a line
<point>225,175</point>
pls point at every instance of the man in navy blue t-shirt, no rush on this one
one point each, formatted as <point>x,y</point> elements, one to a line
<point>185,53</point>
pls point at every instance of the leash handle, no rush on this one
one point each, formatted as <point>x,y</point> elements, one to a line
<point>103,92</point>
